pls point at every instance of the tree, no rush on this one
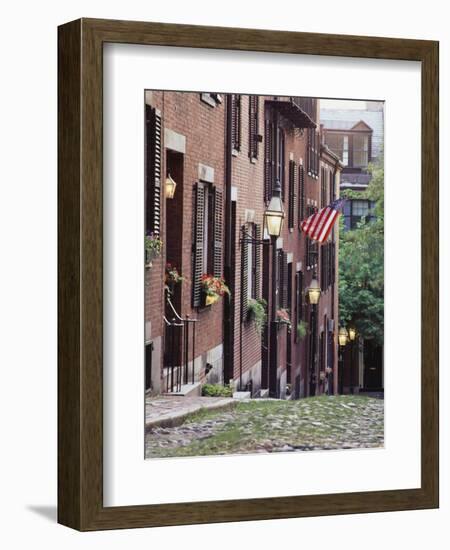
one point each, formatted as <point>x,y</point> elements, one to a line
<point>361,264</point>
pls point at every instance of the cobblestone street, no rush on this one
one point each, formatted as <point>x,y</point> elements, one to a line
<point>261,426</point>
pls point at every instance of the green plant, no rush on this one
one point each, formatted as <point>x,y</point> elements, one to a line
<point>302,329</point>
<point>257,312</point>
<point>153,247</point>
<point>216,390</point>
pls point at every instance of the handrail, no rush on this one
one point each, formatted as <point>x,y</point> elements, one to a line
<point>178,342</point>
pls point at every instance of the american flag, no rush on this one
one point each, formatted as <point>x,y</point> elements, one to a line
<point>319,225</point>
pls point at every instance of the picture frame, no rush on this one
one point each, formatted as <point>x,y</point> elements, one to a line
<point>80,273</point>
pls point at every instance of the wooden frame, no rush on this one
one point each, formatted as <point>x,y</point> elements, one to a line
<point>80,474</point>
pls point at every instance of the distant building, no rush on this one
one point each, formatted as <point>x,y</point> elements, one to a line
<point>356,137</point>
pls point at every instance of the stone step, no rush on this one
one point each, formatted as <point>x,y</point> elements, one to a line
<point>187,390</point>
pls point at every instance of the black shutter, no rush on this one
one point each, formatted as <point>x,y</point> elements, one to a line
<point>269,166</point>
<point>153,174</point>
<point>298,301</point>
<point>291,201</point>
<point>197,247</point>
<point>253,126</point>
<point>236,121</point>
<point>281,161</point>
<point>308,151</point>
<point>301,194</point>
<point>218,225</point>
<point>244,276</point>
<point>257,256</point>
<point>283,280</point>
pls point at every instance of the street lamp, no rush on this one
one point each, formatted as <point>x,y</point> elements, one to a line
<point>352,333</point>
<point>274,214</point>
<point>314,296</point>
<point>170,185</point>
<point>343,336</point>
<point>273,221</point>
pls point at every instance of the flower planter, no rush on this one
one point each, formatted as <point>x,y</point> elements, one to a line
<point>211,299</point>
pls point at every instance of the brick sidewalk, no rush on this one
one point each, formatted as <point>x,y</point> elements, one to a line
<point>167,411</point>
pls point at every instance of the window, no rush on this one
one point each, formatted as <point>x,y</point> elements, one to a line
<point>360,150</point>
<point>236,122</point>
<point>250,266</point>
<point>291,193</point>
<point>280,161</point>
<point>153,171</point>
<point>301,195</point>
<point>274,158</point>
<point>207,236</point>
<point>211,99</point>
<point>323,187</point>
<point>282,280</point>
<point>338,143</point>
<point>298,301</point>
<point>313,150</point>
<point>355,210</point>
<point>253,126</point>
<point>311,246</point>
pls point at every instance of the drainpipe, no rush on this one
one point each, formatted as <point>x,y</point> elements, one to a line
<point>228,311</point>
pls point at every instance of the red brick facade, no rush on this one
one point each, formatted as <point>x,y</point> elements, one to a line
<point>228,155</point>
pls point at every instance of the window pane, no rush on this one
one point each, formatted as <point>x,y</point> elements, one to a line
<point>360,208</point>
<point>360,150</point>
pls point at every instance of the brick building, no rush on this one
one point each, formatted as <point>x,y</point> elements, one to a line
<point>225,153</point>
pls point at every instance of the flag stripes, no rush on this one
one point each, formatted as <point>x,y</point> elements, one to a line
<point>319,225</point>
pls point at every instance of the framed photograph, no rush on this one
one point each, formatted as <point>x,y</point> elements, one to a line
<point>248,274</point>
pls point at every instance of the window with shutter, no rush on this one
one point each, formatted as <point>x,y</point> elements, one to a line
<point>282,279</point>
<point>281,161</point>
<point>291,201</point>
<point>298,301</point>
<point>269,159</point>
<point>253,110</point>
<point>244,276</point>
<point>153,171</point>
<point>301,194</point>
<point>258,267</point>
<point>218,232</point>
<point>198,244</point>
<point>236,122</point>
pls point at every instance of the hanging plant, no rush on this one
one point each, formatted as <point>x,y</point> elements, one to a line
<point>153,248</point>
<point>173,276</point>
<point>283,317</point>
<point>257,312</point>
<point>214,288</point>
<point>302,329</point>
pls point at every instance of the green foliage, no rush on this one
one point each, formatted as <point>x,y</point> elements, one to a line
<point>361,265</point>
<point>216,390</point>
<point>302,329</point>
<point>153,244</point>
<point>257,312</point>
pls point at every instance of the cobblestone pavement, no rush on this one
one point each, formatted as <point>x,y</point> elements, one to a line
<point>261,426</point>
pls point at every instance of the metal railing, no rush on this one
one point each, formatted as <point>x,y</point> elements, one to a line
<point>180,331</point>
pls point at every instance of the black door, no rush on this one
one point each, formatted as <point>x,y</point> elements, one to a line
<point>372,366</point>
<point>148,365</point>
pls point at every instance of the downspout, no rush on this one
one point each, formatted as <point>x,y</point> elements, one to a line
<point>228,310</point>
